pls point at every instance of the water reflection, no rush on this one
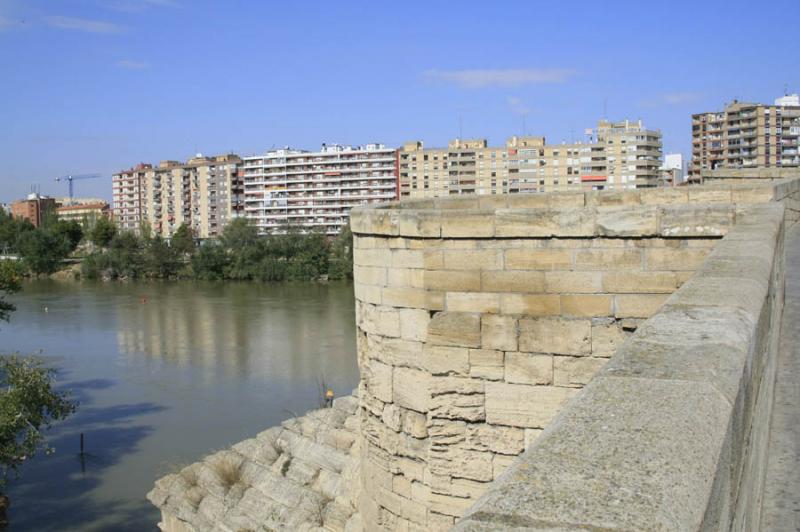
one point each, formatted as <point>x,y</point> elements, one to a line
<point>165,373</point>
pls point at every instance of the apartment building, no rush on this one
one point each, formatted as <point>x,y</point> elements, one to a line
<point>128,192</point>
<point>204,193</point>
<point>616,155</point>
<point>314,191</point>
<point>33,208</point>
<point>85,213</point>
<point>746,138</point>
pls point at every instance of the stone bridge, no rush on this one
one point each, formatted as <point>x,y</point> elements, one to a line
<point>568,361</point>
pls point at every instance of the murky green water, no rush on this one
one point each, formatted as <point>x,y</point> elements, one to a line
<point>165,373</point>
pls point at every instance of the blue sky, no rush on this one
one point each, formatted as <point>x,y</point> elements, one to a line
<point>99,85</point>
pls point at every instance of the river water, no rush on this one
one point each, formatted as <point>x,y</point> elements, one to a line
<point>166,373</point>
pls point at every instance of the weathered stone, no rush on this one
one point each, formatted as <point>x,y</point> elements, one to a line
<point>575,371</point>
<point>512,281</point>
<point>573,282</point>
<point>414,324</point>
<point>518,405</point>
<point>457,462</point>
<point>637,305</point>
<point>555,335</point>
<point>528,368</point>
<point>472,302</point>
<point>606,338</point>
<point>378,378</point>
<point>499,332</point>
<point>538,259</point>
<point>455,328</point>
<point>447,280</point>
<point>530,304</point>
<point>445,360</point>
<point>608,259</point>
<point>586,305</point>
<point>411,389</point>
<point>495,438</point>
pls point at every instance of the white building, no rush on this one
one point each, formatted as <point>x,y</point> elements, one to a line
<point>316,190</point>
<point>788,100</point>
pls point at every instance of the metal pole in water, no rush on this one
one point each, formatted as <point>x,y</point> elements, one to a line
<point>81,443</point>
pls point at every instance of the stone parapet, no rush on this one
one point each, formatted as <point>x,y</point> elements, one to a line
<point>671,433</point>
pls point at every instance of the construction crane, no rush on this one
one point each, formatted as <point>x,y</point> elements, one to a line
<point>71,178</point>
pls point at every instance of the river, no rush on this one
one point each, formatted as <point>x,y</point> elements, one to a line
<point>166,373</point>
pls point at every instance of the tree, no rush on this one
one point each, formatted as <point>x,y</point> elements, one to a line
<point>29,404</point>
<point>340,265</point>
<point>210,262</point>
<point>103,232</point>
<point>183,241</point>
<point>43,250</point>
<point>71,231</point>
<point>9,283</point>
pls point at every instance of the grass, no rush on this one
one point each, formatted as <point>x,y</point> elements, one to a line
<point>228,469</point>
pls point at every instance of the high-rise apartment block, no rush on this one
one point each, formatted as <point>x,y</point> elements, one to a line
<point>316,190</point>
<point>617,155</point>
<point>204,193</point>
<point>33,208</point>
<point>747,138</point>
<point>128,188</point>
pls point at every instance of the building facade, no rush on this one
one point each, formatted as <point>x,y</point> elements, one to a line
<point>33,208</point>
<point>314,191</point>
<point>128,191</point>
<point>616,155</point>
<point>84,213</point>
<point>747,136</point>
<point>205,193</point>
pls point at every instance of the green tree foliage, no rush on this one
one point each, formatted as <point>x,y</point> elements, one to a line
<point>183,241</point>
<point>71,231</point>
<point>210,262</point>
<point>103,232</point>
<point>10,230</point>
<point>341,256</point>
<point>9,283</point>
<point>29,404</point>
<point>43,250</point>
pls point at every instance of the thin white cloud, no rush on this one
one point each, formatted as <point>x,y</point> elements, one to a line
<point>130,64</point>
<point>671,98</point>
<point>517,106</point>
<point>134,6</point>
<point>82,24</point>
<point>511,77</point>
<point>9,23</point>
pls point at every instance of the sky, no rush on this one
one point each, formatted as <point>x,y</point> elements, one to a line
<point>96,86</point>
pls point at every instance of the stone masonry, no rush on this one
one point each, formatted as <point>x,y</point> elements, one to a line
<point>479,319</point>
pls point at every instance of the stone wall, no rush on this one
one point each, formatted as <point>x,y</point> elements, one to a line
<point>671,434</point>
<point>479,318</point>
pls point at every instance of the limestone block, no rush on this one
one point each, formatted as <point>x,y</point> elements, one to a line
<point>472,302</point>
<point>411,469</point>
<point>408,258</point>
<point>545,222</point>
<point>606,338</point>
<point>370,275</point>
<point>531,435</point>
<point>384,321</point>
<point>638,306</point>
<point>453,280</point>
<point>414,324</point>
<point>530,304</point>
<point>374,221</point>
<point>457,462</point>
<point>414,423</point>
<point>398,505</point>
<point>696,220</point>
<point>586,305</point>
<point>395,351</point>
<point>663,196</point>
<point>458,406</point>
<point>572,282</point>
<point>498,332</point>
<point>471,259</point>
<point>391,417</point>
<point>528,368</point>
<point>709,195</point>
<point>405,297</point>
<point>608,259</point>
<point>576,371</point>
<point>444,433</point>
<point>454,385</point>
<point>405,277</point>
<point>512,281</point>
<point>495,438</point>
<point>556,335</point>
<point>519,405</point>
<point>449,505</point>
<point>367,293</point>
<point>613,197</point>
<point>652,282</point>
<point>675,259</point>
<point>420,224</point>
<point>489,373</point>
<point>381,258</point>
<point>455,328</point>
<point>411,389</point>
<point>413,448</point>
<point>627,221</point>
<point>486,364</point>
<point>445,360</point>
<point>378,378</point>
<point>468,224</point>
<point>434,258</point>
<point>538,259</point>
<point>439,522</point>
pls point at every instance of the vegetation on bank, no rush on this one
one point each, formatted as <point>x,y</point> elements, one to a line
<point>239,254</point>
<point>29,402</point>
